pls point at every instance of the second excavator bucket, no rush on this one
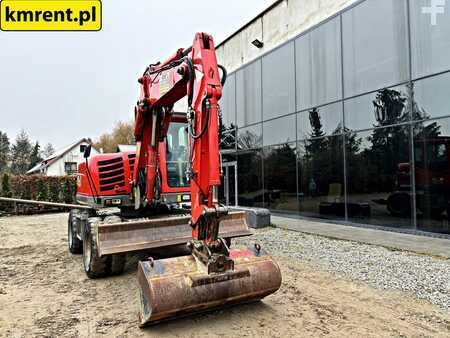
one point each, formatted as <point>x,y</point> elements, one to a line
<point>160,232</point>
<point>176,287</point>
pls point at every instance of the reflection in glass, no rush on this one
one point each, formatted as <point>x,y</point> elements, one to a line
<point>228,102</point>
<point>249,137</point>
<point>248,94</point>
<point>319,122</point>
<point>227,137</point>
<point>375,45</point>
<point>318,65</point>
<point>382,108</point>
<point>432,97</point>
<point>250,179</point>
<point>430,44</point>
<point>280,182</point>
<point>320,173</point>
<point>378,180</point>
<point>227,190</point>
<point>279,131</point>
<point>432,174</point>
<point>279,82</point>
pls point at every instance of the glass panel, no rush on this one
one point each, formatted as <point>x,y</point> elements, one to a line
<point>319,122</point>
<point>250,179</point>
<point>227,138</point>
<point>280,181</point>
<point>382,108</point>
<point>227,132</point>
<point>231,173</point>
<point>248,94</point>
<point>375,45</point>
<point>279,82</point>
<point>279,131</point>
<point>177,155</point>
<point>321,181</point>
<point>228,103</point>
<point>250,137</point>
<point>227,195</point>
<point>378,177</point>
<point>432,169</point>
<point>318,65</point>
<point>432,97</point>
<point>430,43</point>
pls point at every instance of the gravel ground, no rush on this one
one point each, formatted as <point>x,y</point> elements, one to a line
<point>44,291</point>
<point>426,277</point>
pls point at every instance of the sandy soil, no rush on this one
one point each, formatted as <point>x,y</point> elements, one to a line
<point>44,292</point>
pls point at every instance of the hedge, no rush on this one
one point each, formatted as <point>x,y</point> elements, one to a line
<point>37,187</point>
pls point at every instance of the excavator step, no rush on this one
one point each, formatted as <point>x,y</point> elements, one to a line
<point>160,232</point>
<point>176,287</point>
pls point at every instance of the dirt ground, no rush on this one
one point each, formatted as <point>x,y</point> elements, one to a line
<point>44,292</point>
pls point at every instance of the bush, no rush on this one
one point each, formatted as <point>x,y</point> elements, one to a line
<point>6,186</point>
<point>36,187</point>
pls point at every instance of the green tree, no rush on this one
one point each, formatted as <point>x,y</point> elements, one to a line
<point>4,151</point>
<point>6,186</point>
<point>20,154</point>
<point>35,156</point>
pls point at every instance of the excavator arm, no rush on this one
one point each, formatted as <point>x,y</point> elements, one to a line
<point>213,275</point>
<point>193,73</point>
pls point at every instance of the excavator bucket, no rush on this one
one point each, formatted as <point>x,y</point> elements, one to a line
<point>160,232</point>
<point>175,287</point>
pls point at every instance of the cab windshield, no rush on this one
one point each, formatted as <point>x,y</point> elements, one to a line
<point>177,155</point>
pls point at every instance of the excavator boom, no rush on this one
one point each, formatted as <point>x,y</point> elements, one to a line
<point>213,275</point>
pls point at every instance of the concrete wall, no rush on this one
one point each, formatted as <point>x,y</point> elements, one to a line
<point>283,22</point>
<point>58,169</point>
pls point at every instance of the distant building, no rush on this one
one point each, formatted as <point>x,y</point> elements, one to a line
<point>64,161</point>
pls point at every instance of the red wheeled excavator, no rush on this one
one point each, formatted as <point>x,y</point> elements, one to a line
<point>177,156</point>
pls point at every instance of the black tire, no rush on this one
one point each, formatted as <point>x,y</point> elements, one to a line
<point>75,244</point>
<point>115,263</point>
<point>94,266</point>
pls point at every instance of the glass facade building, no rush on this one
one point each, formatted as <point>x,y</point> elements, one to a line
<point>349,121</point>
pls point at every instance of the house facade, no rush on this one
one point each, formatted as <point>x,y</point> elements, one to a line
<point>64,161</point>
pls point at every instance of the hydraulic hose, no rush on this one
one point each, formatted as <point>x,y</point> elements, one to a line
<point>223,80</point>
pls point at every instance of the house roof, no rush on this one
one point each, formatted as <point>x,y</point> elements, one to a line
<point>56,156</point>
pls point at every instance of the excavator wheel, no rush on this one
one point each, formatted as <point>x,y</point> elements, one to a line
<point>115,263</point>
<point>94,266</point>
<point>75,244</point>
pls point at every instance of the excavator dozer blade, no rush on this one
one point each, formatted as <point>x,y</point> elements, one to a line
<point>176,287</point>
<point>117,238</point>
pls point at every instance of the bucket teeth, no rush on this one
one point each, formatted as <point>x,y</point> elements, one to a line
<point>176,287</point>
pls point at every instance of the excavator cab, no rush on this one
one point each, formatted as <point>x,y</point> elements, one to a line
<point>173,165</point>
